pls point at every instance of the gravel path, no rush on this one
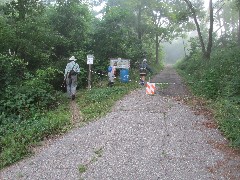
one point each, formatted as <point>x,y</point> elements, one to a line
<point>145,137</point>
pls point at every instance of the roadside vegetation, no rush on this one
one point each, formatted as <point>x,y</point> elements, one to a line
<point>218,80</point>
<point>212,66</point>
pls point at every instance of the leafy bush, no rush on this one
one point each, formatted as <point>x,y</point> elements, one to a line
<point>26,114</point>
<point>32,96</point>
<point>12,71</point>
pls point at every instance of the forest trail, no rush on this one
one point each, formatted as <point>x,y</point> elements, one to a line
<point>146,137</point>
<point>76,114</point>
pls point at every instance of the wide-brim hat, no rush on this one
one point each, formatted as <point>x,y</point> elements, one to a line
<point>144,60</point>
<point>72,58</point>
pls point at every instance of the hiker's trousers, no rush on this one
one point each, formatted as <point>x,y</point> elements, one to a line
<point>111,76</point>
<point>71,85</point>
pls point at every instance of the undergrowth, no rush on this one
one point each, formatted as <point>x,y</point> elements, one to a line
<point>97,102</point>
<point>217,79</point>
<point>17,137</point>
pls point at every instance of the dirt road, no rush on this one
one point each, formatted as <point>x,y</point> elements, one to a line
<point>145,137</point>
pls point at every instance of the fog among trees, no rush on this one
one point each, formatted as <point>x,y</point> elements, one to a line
<point>174,51</point>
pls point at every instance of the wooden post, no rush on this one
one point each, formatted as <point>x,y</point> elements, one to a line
<point>89,76</point>
<point>90,62</point>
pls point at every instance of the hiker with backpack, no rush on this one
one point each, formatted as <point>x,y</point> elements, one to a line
<point>111,76</point>
<point>143,69</point>
<point>70,76</point>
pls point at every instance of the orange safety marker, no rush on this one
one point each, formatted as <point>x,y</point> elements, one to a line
<point>150,88</point>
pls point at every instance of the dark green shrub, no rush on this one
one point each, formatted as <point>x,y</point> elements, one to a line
<point>33,95</point>
<point>12,71</point>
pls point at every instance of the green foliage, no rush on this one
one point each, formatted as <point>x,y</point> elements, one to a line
<point>97,102</point>
<point>26,111</point>
<point>34,95</point>
<point>17,138</point>
<point>82,168</point>
<point>218,79</point>
<point>7,38</point>
<point>228,116</point>
<point>12,71</point>
<point>116,37</point>
<point>20,10</point>
<point>37,42</point>
<point>71,20</point>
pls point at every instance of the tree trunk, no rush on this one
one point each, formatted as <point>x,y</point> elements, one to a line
<point>210,32</point>
<point>139,18</point>
<point>206,53</point>
<point>157,48</point>
<point>197,26</point>
<point>239,27</point>
<point>22,10</point>
<point>220,23</point>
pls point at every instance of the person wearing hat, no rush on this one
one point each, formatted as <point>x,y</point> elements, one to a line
<point>143,68</point>
<point>70,76</point>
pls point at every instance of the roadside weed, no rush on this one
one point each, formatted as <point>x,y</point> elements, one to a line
<point>82,168</point>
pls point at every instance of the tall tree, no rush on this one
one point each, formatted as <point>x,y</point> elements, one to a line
<point>168,19</point>
<point>228,21</point>
<point>206,51</point>
<point>237,2</point>
<point>115,35</point>
<point>137,8</point>
<point>21,15</point>
<point>72,20</point>
<point>20,9</point>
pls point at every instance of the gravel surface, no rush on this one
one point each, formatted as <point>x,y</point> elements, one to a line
<point>145,137</point>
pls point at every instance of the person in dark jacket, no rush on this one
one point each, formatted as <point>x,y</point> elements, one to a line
<point>143,69</point>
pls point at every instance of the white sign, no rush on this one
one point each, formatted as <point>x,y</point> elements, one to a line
<point>120,63</point>
<point>90,59</point>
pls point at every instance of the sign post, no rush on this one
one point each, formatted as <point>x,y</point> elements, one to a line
<point>90,62</point>
<point>123,65</point>
<point>120,63</point>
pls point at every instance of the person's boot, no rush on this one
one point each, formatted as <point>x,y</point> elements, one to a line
<point>73,96</point>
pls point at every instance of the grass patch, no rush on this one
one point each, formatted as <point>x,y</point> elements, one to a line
<point>82,168</point>
<point>97,102</point>
<point>16,138</point>
<point>99,152</point>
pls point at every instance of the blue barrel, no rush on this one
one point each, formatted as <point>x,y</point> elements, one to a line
<point>124,75</point>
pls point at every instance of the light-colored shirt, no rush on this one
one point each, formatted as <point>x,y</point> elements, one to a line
<point>71,65</point>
